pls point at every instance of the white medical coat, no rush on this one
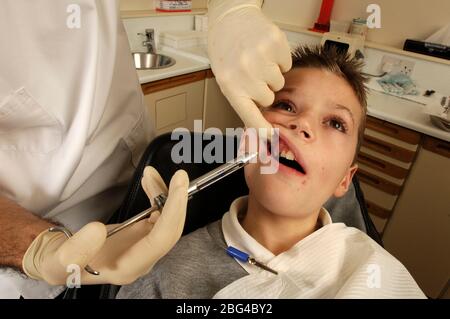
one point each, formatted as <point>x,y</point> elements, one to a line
<point>72,119</point>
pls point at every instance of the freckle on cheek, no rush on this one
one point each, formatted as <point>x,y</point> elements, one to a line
<point>323,171</point>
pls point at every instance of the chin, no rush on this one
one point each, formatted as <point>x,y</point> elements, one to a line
<point>276,197</point>
<point>280,206</point>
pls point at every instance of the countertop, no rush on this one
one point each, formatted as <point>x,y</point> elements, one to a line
<point>382,106</point>
<point>404,113</point>
<point>185,62</point>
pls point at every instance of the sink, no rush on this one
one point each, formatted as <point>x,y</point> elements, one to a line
<point>144,60</point>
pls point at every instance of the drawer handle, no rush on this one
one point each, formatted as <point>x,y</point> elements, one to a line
<point>376,144</point>
<point>377,210</point>
<point>390,129</point>
<point>369,178</point>
<point>444,147</point>
<point>382,126</point>
<point>371,160</point>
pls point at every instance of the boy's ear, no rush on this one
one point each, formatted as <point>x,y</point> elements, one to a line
<point>346,181</point>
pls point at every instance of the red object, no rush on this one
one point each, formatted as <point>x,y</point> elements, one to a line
<point>323,21</point>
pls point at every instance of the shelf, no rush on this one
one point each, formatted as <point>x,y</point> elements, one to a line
<point>154,13</point>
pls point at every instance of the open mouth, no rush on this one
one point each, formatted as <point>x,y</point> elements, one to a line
<point>287,157</point>
<point>291,163</point>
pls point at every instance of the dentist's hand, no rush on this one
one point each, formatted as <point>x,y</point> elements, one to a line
<point>248,55</point>
<point>121,258</point>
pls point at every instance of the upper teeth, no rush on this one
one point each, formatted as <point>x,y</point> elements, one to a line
<point>287,154</point>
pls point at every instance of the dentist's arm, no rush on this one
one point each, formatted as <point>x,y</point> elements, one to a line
<point>248,55</point>
<point>18,228</point>
<point>121,258</point>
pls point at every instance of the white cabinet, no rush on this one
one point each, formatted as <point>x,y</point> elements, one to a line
<point>418,233</point>
<point>175,102</point>
<point>178,101</point>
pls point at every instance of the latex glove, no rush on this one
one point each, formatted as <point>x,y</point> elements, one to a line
<point>248,55</point>
<point>121,258</point>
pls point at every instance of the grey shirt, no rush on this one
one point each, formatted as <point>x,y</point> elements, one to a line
<point>196,268</point>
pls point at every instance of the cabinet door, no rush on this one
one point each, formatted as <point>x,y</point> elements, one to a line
<point>218,112</point>
<point>418,233</point>
<point>176,107</point>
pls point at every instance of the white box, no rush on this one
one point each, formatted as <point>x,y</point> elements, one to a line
<point>198,23</point>
<point>183,39</point>
<point>339,26</point>
<point>201,23</point>
<point>173,5</point>
<point>205,23</point>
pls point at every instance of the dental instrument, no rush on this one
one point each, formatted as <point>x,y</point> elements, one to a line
<point>157,203</point>
<point>242,256</point>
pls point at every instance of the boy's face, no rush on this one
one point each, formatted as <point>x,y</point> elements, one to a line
<point>318,116</point>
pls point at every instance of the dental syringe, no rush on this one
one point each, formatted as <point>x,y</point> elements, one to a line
<point>158,202</point>
<point>194,187</point>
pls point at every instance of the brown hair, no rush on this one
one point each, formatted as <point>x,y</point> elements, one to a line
<point>342,65</point>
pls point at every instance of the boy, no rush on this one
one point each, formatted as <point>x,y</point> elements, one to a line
<point>320,114</point>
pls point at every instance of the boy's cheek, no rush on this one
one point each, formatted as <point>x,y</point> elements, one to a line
<point>275,118</point>
<point>269,114</point>
<point>249,172</point>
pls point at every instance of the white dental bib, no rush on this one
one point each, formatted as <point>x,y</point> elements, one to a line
<point>335,261</point>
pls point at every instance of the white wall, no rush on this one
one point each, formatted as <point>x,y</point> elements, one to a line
<point>400,19</point>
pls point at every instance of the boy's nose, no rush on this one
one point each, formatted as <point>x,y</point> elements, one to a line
<point>301,131</point>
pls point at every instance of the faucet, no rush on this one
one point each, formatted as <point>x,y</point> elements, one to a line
<point>150,40</point>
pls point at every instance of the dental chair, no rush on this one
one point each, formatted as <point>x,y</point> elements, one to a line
<point>211,203</point>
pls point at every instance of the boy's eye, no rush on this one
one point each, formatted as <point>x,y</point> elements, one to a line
<point>337,124</point>
<point>282,105</point>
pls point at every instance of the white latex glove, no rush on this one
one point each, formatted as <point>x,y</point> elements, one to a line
<point>248,55</point>
<point>121,258</point>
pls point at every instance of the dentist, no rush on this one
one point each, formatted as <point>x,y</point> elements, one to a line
<point>73,126</point>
